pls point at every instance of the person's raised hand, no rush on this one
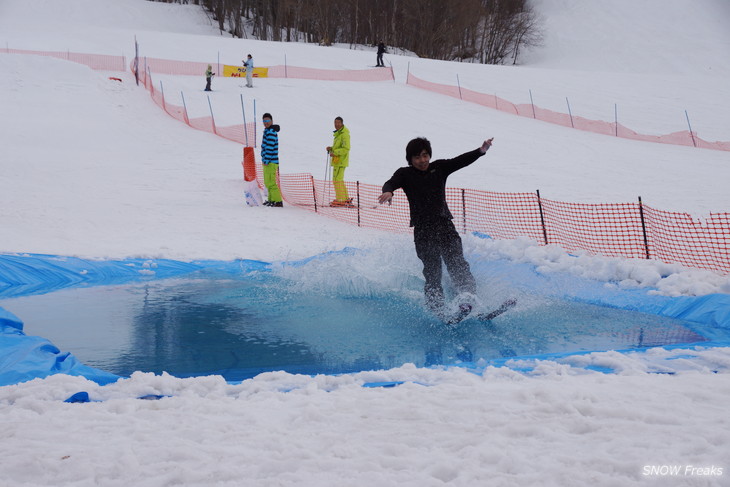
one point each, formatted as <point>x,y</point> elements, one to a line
<point>486,145</point>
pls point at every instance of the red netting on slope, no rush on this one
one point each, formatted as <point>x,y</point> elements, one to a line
<point>99,62</point>
<point>299,72</point>
<point>192,68</point>
<point>609,229</point>
<point>243,134</point>
<point>683,137</point>
<point>677,237</point>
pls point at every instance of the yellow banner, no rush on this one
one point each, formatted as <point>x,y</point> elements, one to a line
<point>240,72</point>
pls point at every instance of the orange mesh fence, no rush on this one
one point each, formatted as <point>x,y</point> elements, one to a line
<point>683,137</point>
<point>676,237</point>
<point>243,134</point>
<point>611,229</point>
<point>298,72</point>
<point>499,215</point>
<point>168,66</point>
<point>99,62</point>
<point>394,217</point>
<point>191,68</point>
<point>304,191</point>
<point>628,230</point>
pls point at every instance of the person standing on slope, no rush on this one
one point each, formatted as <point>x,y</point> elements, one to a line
<point>248,64</point>
<point>339,153</point>
<point>381,51</point>
<point>434,234</point>
<point>208,77</point>
<point>270,160</point>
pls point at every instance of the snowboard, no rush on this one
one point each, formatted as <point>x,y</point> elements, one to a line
<point>465,311</point>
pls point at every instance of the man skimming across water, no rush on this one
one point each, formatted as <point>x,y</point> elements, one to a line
<point>434,234</point>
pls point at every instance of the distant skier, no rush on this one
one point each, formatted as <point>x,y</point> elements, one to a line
<point>248,64</point>
<point>381,51</point>
<point>208,77</point>
<point>434,234</point>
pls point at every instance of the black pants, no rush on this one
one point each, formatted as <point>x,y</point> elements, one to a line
<point>380,59</point>
<point>207,84</point>
<point>439,241</point>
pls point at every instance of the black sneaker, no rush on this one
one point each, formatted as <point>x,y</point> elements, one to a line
<point>267,203</point>
<point>277,204</point>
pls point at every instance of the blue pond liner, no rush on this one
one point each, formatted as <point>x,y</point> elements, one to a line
<point>705,319</point>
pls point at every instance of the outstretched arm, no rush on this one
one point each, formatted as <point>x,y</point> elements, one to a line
<point>390,186</point>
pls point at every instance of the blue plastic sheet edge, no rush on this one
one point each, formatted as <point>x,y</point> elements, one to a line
<point>24,358</point>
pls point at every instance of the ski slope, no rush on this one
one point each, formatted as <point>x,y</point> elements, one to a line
<point>92,168</point>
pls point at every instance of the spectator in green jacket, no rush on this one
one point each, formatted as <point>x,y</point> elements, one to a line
<point>339,153</point>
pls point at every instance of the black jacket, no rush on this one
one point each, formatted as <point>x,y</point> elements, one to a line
<point>426,190</point>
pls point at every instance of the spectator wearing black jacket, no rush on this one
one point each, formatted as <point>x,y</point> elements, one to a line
<point>434,234</point>
<point>381,51</point>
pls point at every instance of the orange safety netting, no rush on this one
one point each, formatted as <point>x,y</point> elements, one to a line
<point>244,134</point>
<point>191,68</point>
<point>684,137</point>
<point>629,230</point>
<point>100,62</point>
<point>677,237</point>
<point>611,229</point>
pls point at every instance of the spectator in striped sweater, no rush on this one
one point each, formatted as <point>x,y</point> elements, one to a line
<point>270,160</point>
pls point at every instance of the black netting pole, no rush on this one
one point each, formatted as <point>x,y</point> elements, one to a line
<point>542,218</point>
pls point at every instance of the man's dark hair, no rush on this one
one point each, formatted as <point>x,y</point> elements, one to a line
<point>416,146</point>
<point>267,115</point>
<point>340,119</point>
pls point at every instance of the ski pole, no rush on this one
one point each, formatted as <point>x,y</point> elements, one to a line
<point>327,177</point>
<point>326,165</point>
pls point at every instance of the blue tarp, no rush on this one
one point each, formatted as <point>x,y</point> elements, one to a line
<point>712,310</point>
<point>29,274</point>
<point>24,358</point>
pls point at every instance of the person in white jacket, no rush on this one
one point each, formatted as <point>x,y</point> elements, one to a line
<point>248,64</point>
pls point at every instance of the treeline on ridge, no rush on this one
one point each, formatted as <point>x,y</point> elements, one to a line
<point>483,31</point>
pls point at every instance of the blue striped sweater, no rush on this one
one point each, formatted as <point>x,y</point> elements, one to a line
<point>270,146</point>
